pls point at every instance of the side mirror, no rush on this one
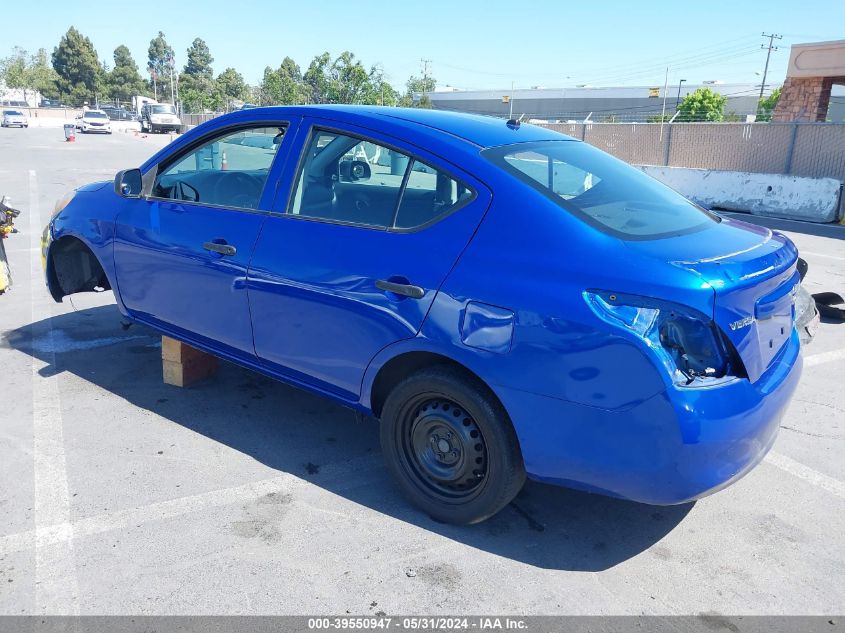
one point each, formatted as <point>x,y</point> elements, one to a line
<point>127,183</point>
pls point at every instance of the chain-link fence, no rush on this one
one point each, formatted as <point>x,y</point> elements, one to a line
<point>800,149</point>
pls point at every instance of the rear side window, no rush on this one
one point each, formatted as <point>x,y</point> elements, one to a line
<point>602,190</point>
<point>356,181</point>
<point>428,194</point>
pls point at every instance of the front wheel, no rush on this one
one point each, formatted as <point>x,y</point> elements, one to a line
<point>451,446</point>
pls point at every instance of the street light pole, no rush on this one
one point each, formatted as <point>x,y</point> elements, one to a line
<point>678,100</point>
<point>510,101</point>
<point>171,63</point>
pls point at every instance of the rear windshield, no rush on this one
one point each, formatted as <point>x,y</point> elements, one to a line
<point>13,113</point>
<point>601,190</point>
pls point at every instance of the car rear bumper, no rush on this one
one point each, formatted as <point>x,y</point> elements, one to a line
<point>674,447</point>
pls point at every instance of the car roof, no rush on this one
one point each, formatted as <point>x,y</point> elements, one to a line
<point>483,131</point>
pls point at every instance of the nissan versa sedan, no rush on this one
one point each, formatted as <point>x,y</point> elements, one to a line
<point>507,301</point>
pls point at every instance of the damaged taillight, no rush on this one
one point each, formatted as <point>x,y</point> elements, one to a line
<point>687,343</point>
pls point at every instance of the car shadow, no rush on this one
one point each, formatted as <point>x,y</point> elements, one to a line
<point>293,431</point>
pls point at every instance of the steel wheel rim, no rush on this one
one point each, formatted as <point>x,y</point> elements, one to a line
<point>443,448</point>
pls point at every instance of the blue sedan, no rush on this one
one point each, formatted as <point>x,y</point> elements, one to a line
<point>506,300</point>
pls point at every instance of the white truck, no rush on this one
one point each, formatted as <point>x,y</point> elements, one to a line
<point>156,117</point>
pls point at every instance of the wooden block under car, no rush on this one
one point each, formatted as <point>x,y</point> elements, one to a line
<point>183,365</point>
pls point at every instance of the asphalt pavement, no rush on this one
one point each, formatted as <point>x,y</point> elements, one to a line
<point>122,495</point>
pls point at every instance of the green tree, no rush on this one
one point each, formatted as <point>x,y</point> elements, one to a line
<point>13,68</point>
<point>195,100</point>
<point>349,81</point>
<point>231,87</point>
<point>159,59</point>
<point>768,105</point>
<point>77,66</point>
<point>345,80</point>
<point>702,105</point>
<point>415,89</point>
<point>42,76</point>
<point>125,81</point>
<point>316,80</point>
<point>199,60</point>
<point>197,87</point>
<point>28,73</point>
<point>383,93</point>
<point>283,86</point>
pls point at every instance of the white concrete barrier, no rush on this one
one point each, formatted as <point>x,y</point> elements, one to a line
<point>54,122</point>
<point>773,195</point>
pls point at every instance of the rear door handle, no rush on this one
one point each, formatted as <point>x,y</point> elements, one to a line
<point>223,249</point>
<point>406,290</point>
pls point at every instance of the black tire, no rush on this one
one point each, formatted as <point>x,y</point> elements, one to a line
<point>450,446</point>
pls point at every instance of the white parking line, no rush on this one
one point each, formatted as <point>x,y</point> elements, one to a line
<point>825,357</point>
<point>66,531</point>
<point>787,464</point>
<point>823,255</point>
<point>56,585</point>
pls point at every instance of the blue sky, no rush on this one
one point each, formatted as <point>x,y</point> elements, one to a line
<point>471,44</point>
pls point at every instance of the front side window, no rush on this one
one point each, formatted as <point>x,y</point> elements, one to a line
<point>355,181</point>
<point>601,190</point>
<point>227,171</point>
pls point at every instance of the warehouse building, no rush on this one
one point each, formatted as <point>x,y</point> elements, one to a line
<point>622,104</point>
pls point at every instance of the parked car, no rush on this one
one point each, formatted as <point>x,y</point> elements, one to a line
<point>159,117</point>
<point>93,121</point>
<point>506,300</point>
<point>119,114</point>
<point>14,118</point>
<point>51,103</point>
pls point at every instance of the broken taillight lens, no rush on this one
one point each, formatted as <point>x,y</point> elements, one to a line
<point>685,341</point>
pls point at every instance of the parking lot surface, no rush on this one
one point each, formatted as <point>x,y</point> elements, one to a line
<point>122,495</point>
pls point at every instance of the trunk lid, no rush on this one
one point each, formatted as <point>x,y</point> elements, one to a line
<point>752,271</point>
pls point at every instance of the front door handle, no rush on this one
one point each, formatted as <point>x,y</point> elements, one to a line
<point>406,290</point>
<point>223,249</point>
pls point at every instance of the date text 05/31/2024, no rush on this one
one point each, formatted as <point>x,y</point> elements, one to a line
<point>417,623</point>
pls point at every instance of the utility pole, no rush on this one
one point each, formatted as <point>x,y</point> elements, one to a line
<point>772,37</point>
<point>425,63</point>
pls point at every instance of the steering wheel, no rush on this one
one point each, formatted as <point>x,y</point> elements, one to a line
<point>236,189</point>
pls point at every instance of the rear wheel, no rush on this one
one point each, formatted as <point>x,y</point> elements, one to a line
<point>451,446</point>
